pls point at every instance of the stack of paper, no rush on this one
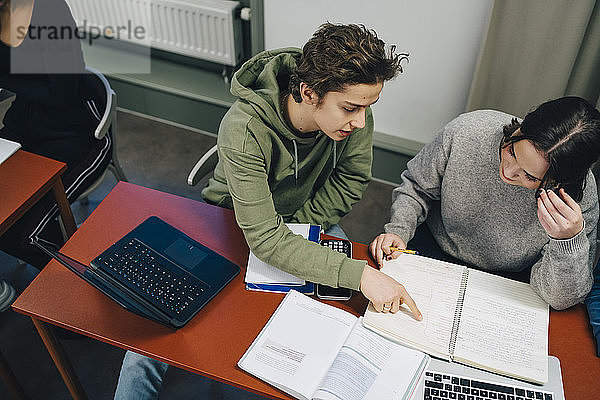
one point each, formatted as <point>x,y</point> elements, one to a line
<point>263,277</point>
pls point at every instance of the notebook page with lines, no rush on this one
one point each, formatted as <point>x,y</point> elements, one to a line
<point>504,327</point>
<point>436,288</point>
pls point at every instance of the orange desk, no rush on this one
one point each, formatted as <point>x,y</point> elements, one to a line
<point>213,342</point>
<point>24,179</point>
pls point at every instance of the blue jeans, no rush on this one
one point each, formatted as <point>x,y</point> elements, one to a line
<point>141,377</point>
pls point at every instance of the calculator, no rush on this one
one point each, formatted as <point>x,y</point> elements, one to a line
<point>327,292</point>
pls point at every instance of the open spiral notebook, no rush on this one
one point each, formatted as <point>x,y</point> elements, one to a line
<point>469,316</point>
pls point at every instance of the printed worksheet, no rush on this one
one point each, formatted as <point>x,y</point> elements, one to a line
<point>312,350</point>
<point>298,344</point>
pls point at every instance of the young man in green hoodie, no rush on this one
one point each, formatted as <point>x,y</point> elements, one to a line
<point>297,147</point>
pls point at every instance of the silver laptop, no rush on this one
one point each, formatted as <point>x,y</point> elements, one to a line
<point>7,149</point>
<point>487,380</point>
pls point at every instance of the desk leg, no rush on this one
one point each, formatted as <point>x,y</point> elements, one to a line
<point>60,359</point>
<point>63,206</point>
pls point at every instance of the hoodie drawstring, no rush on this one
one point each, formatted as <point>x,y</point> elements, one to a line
<point>334,153</point>
<point>296,158</point>
<point>295,161</point>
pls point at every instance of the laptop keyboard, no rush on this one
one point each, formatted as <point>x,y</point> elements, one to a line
<point>164,284</point>
<point>444,386</point>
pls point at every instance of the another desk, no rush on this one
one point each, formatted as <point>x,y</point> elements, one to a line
<point>24,179</point>
<point>212,343</point>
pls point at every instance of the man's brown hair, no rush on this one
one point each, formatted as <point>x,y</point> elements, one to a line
<point>341,55</point>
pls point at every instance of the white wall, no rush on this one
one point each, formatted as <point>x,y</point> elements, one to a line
<point>443,38</point>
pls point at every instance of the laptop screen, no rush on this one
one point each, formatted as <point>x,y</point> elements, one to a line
<point>73,265</point>
<point>80,269</point>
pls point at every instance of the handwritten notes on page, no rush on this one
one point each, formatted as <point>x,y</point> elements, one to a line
<point>504,326</point>
<point>469,316</point>
<point>434,286</point>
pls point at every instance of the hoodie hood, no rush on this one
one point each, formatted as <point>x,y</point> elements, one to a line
<point>260,82</point>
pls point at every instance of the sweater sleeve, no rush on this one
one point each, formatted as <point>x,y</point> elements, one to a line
<point>563,274</point>
<point>421,185</point>
<point>345,185</point>
<point>267,236</point>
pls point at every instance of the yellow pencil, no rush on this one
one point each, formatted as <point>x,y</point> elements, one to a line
<point>403,250</point>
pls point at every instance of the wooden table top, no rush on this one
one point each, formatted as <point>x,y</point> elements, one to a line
<point>214,340</point>
<point>24,178</point>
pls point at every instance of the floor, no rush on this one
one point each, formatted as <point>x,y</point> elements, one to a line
<point>158,156</point>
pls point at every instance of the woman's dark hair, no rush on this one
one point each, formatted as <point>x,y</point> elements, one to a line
<point>567,132</point>
<point>340,55</point>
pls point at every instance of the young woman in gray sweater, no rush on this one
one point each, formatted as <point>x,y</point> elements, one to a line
<point>508,197</point>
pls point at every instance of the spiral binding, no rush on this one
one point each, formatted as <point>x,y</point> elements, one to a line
<point>458,312</point>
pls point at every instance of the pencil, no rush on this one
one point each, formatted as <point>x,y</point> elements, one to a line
<point>403,250</point>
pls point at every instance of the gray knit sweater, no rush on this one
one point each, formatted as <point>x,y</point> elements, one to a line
<point>454,185</point>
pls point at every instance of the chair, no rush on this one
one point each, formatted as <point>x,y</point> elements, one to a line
<point>79,180</point>
<point>106,113</point>
<point>204,167</point>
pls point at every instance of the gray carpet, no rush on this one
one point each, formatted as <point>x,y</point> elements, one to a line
<point>158,156</point>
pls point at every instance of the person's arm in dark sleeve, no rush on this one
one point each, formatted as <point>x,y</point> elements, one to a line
<point>59,91</point>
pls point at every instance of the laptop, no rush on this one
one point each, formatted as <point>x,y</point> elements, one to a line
<point>7,149</point>
<point>443,376</point>
<point>155,271</point>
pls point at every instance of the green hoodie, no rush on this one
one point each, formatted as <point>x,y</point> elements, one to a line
<point>270,176</point>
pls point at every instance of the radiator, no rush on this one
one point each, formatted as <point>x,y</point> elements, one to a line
<point>204,29</point>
